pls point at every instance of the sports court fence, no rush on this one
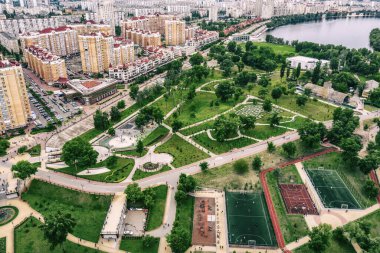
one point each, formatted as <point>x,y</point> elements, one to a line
<point>314,198</point>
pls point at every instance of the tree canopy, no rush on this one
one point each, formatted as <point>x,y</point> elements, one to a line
<point>78,153</point>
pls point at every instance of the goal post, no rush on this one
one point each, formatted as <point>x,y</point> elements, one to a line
<point>252,243</point>
<point>344,206</point>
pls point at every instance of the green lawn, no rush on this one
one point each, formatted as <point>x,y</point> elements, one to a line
<point>29,238</point>
<point>135,245</point>
<point>90,134</point>
<point>264,132</point>
<point>290,175</point>
<point>35,151</point>
<point>155,136</point>
<point>278,49</point>
<point>3,245</point>
<point>156,213</point>
<point>353,177</point>
<point>89,211</point>
<point>139,174</point>
<point>198,128</point>
<point>374,220</point>
<point>118,171</point>
<point>297,123</point>
<point>184,216</point>
<point>336,246</point>
<point>132,152</point>
<point>183,152</point>
<point>221,147</point>
<point>370,108</point>
<point>173,100</point>
<point>200,106</point>
<point>293,226</point>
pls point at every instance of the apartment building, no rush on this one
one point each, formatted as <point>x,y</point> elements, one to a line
<point>202,37</point>
<point>61,41</point>
<point>46,65</point>
<point>143,38</point>
<point>151,23</point>
<point>142,66</point>
<point>91,27</point>
<point>98,52</point>
<point>175,32</point>
<point>14,102</point>
<point>10,42</point>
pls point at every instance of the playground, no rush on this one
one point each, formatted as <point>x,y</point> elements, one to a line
<point>297,199</point>
<point>331,189</point>
<point>248,220</point>
<point>204,222</point>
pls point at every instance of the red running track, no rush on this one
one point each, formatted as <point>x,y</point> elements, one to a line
<point>268,199</point>
<point>374,178</point>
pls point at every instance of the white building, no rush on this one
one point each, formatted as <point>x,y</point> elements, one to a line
<point>307,63</point>
<point>9,42</point>
<point>213,13</point>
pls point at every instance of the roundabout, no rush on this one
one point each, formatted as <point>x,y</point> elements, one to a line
<point>7,214</point>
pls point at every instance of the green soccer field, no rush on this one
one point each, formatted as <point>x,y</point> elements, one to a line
<point>248,220</point>
<point>331,189</point>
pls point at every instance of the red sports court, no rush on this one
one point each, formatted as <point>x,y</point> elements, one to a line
<point>297,199</point>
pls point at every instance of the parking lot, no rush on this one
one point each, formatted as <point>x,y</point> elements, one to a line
<point>48,105</point>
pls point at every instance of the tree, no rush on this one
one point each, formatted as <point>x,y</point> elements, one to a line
<point>307,92</point>
<point>111,131</point>
<point>264,81</point>
<point>247,122</point>
<point>351,146</point>
<point>301,100</point>
<point>263,92</point>
<point>101,121</point>
<point>371,189</point>
<point>57,227</point>
<point>320,238</point>
<point>226,66</point>
<point>257,163</point>
<point>24,169</point>
<point>298,71</point>
<point>224,128</point>
<point>282,70</point>
<point>186,183</point>
<point>243,78</point>
<point>196,59</point>
<point>334,64</point>
<point>240,166</point>
<point>148,241</point>
<point>22,149</point>
<point>368,163</point>
<point>115,114</point>
<point>290,149</point>
<point>4,145</point>
<point>275,119</point>
<point>180,196</point>
<point>191,93</point>
<point>276,93</point>
<point>121,104</point>
<point>316,73</point>
<point>249,46</point>
<point>204,166</point>
<point>179,239</point>
<point>271,147</point>
<point>224,91</point>
<point>312,133</point>
<point>134,193</point>
<point>344,124</point>
<point>133,91</point>
<point>140,147</point>
<point>240,65</point>
<point>231,46</point>
<point>176,125</point>
<point>267,105</point>
<point>78,153</point>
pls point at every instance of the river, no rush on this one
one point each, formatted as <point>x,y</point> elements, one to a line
<point>349,32</point>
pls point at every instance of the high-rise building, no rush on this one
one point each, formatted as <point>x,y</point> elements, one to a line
<point>46,65</point>
<point>14,102</point>
<point>91,27</point>
<point>143,38</point>
<point>175,32</point>
<point>99,51</point>
<point>61,41</point>
<point>151,23</point>
<point>213,13</point>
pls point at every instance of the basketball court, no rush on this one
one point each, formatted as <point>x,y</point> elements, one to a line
<point>248,220</point>
<point>331,189</point>
<point>297,199</point>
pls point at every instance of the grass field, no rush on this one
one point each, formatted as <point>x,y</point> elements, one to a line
<point>331,189</point>
<point>183,152</point>
<point>29,238</point>
<point>3,245</point>
<point>264,132</point>
<point>35,151</point>
<point>201,109</point>
<point>278,49</point>
<point>172,101</point>
<point>248,219</point>
<point>135,245</point>
<point>155,136</point>
<point>293,226</point>
<point>88,210</point>
<point>118,171</point>
<point>297,123</point>
<point>139,174</point>
<point>184,216</point>
<point>156,213</point>
<point>336,246</point>
<point>353,176</point>
<point>132,152</point>
<point>221,147</point>
<point>198,128</point>
<point>374,220</point>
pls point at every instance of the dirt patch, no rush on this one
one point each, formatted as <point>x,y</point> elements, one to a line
<point>204,222</point>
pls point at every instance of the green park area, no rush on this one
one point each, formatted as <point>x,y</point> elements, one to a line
<point>293,226</point>
<point>35,150</point>
<point>136,245</point>
<point>183,152</point>
<point>198,128</point>
<point>139,174</point>
<point>3,245</point>
<point>88,210</point>
<point>353,178</point>
<point>156,212</point>
<point>119,168</point>
<point>29,237</point>
<point>336,245</point>
<point>264,132</point>
<point>155,136</point>
<point>278,49</point>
